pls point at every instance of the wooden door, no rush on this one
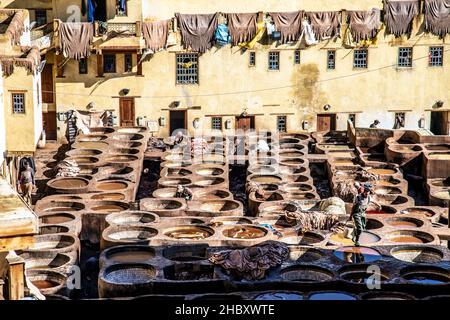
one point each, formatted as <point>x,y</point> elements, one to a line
<point>245,123</point>
<point>49,124</point>
<point>178,120</point>
<point>326,122</point>
<point>47,84</point>
<point>439,123</point>
<point>127,112</point>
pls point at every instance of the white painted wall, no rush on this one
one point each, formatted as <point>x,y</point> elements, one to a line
<point>37,99</point>
<point>2,122</point>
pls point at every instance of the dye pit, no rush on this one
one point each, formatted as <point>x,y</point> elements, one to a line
<point>165,251</point>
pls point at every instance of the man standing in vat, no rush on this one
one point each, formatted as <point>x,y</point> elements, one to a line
<point>362,201</point>
<point>27,183</point>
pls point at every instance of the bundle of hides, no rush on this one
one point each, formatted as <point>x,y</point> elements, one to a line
<point>364,175</point>
<point>289,24</point>
<point>437,17</point>
<point>333,205</point>
<point>197,30</point>
<point>16,27</point>
<point>155,34</point>
<point>325,24</point>
<point>346,190</point>
<point>199,146</point>
<point>155,143</point>
<point>253,262</point>
<point>242,27</point>
<point>31,62</point>
<point>75,39</point>
<point>398,15</point>
<point>254,187</point>
<point>314,220</point>
<point>364,25</point>
<point>67,168</point>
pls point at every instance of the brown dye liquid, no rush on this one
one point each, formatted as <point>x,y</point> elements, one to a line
<point>385,183</point>
<point>131,256</point>
<point>108,208</point>
<point>421,212</point>
<point>93,145</point>
<point>189,234</point>
<point>381,171</point>
<point>365,238</point>
<point>443,156</point>
<point>44,284</point>
<point>266,180</point>
<point>244,233</point>
<point>69,183</point>
<point>56,219</point>
<point>112,186</point>
<point>403,224</point>
<point>343,162</point>
<point>407,239</point>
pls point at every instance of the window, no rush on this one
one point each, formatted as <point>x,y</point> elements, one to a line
<point>18,103</point>
<point>128,62</point>
<point>83,66</point>
<point>405,57</point>
<point>274,60</point>
<point>41,17</point>
<point>217,123</point>
<point>187,68</point>
<point>297,57</point>
<point>436,56</point>
<point>331,59</point>
<point>121,8</point>
<point>399,120</point>
<point>252,59</point>
<point>360,58</point>
<point>352,118</point>
<point>109,63</point>
<point>281,123</point>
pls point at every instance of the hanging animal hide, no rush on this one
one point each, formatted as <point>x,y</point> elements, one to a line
<point>75,39</point>
<point>437,17</point>
<point>16,27</point>
<point>325,24</point>
<point>31,62</point>
<point>242,27</point>
<point>197,30</point>
<point>289,24</point>
<point>398,15</point>
<point>155,34</point>
<point>364,24</point>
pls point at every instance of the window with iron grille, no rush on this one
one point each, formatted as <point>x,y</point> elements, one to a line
<point>360,58</point>
<point>274,60</point>
<point>83,66</point>
<point>187,68</point>
<point>331,59</point>
<point>41,17</point>
<point>281,123</point>
<point>109,63</point>
<point>405,57</point>
<point>128,62</point>
<point>352,118</point>
<point>18,103</point>
<point>217,123</point>
<point>252,59</point>
<point>399,121</point>
<point>297,57</point>
<point>436,56</point>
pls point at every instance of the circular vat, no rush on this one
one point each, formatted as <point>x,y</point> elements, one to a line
<point>442,195</point>
<point>288,140</point>
<point>101,130</point>
<point>165,193</point>
<point>161,204</point>
<point>126,144</point>
<point>437,147</point>
<point>209,171</point>
<point>382,171</point>
<point>331,295</point>
<point>46,260</point>
<point>215,194</point>
<point>298,187</point>
<point>129,234</point>
<point>409,236</point>
<point>128,137</point>
<point>404,222</point>
<point>189,272</point>
<point>384,210</point>
<point>292,162</point>
<point>362,273</point>
<point>384,190</point>
<point>63,206</point>
<point>352,254</point>
<point>111,185</point>
<point>124,151</point>
<point>268,208</point>
<point>426,213</point>
<point>219,205</point>
<point>189,232</point>
<point>280,295</point>
<point>306,273</point>
<point>273,196</point>
<point>306,238</point>
<point>297,178</point>
<point>426,275</point>
<point>259,178</point>
<point>365,238</point>
<point>439,155</point>
<point>227,221</point>
<point>83,153</point>
<point>305,254</point>
<point>173,182</point>
<point>185,220</point>
<point>127,254</point>
<point>83,160</point>
<point>121,158</point>
<point>175,172</point>
<point>53,229</point>
<point>129,274</point>
<point>299,136</point>
<point>69,185</point>
<point>373,224</point>
<point>112,196</point>
<point>96,145</point>
<point>132,130</point>
<point>186,253</point>
<point>209,182</point>
<point>131,218</point>
<point>288,154</point>
<point>244,232</point>
<point>386,295</point>
<point>57,218</point>
<point>62,242</point>
<point>285,170</point>
<point>417,254</point>
<point>261,170</point>
<point>301,196</point>
<point>92,138</point>
<point>404,148</point>
<point>109,206</point>
<point>47,281</point>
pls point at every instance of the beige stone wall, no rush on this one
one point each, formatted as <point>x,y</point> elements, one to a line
<point>2,123</point>
<point>227,85</point>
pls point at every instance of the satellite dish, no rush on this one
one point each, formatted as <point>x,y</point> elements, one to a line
<point>32,25</point>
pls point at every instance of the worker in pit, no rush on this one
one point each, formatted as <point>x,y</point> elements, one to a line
<point>27,183</point>
<point>184,192</point>
<point>375,124</point>
<point>358,214</point>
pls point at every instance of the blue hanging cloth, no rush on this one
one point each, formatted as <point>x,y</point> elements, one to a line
<point>123,5</point>
<point>91,9</point>
<point>222,35</point>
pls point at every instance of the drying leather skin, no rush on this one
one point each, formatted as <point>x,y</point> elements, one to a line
<point>75,39</point>
<point>197,30</point>
<point>325,24</point>
<point>437,17</point>
<point>398,15</point>
<point>242,27</point>
<point>31,62</point>
<point>16,27</point>
<point>364,24</point>
<point>289,24</point>
<point>155,34</point>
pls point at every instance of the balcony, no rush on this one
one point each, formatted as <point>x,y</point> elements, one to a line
<point>117,28</point>
<point>42,36</point>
